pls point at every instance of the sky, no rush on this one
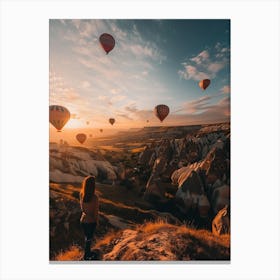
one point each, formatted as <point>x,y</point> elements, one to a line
<point>153,62</point>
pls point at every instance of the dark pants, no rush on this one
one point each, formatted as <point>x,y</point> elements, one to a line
<point>89,229</point>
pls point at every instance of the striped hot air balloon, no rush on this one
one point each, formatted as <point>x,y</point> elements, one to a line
<point>59,116</point>
<point>107,42</point>
<point>161,111</point>
<point>204,84</point>
<point>81,137</point>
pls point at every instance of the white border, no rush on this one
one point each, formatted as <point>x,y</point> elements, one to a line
<point>255,138</point>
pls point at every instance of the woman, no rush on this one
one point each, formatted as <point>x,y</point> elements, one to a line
<point>89,206</point>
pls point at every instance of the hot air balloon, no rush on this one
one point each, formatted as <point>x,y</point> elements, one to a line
<point>161,111</point>
<point>107,42</point>
<point>90,135</point>
<point>204,84</point>
<point>81,137</point>
<point>101,130</point>
<point>111,121</point>
<point>59,116</point>
<point>147,121</point>
<point>87,122</point>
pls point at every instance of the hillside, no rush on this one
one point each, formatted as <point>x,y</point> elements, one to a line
<point>157,241</point>
<point>177,181</point>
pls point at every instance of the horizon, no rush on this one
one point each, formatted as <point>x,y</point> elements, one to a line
<point>69,134</point>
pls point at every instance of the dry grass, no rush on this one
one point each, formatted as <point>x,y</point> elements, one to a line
<point>74,253</point>
<point>106,240</point>
<point>137,150</point>
<point>158,241</point>
<point>151,227</point>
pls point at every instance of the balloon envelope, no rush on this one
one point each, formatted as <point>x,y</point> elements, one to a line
<point>59,116</point>
<point>107,42</point>
<point>81,137</point>
<point>204,83</point>
<point>161,111</point>
<point>111,121</point>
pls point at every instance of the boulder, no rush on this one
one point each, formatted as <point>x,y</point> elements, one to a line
<point>221,222</point>
<point>72,164</point>
<point>145,156</point>
<point>154,192</point>
<point>216,165</point>
<point>159,166</point>
<point>220,198</point>
<point>203,206</point>
<point>190,190</point>
<point>192,182</point>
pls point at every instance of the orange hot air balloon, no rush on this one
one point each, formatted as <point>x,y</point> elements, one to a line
<point>101,130</point>
<point>81,137</point>
<point>204,84</point>
<point>161,111</point>
<point>111,121</point>
<point>107,42</point>
<point>59,116</point>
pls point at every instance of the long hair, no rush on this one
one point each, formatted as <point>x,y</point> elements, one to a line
<point>88,188</point>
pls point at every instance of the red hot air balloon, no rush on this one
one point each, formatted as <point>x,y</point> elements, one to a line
<point>81,137</point>
<point>111,121</point>
<point>204,84</point>
<point>59,116</point>
<point>161,111</point>
<point>107,42</point>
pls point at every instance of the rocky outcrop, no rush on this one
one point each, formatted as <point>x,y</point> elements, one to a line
<point>198,164</point>
<point>165,242</point>
<point>65,213</point>
<point>72,164</point>
<point>221,222</point>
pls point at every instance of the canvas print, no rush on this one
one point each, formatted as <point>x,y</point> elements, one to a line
<point>139,140</point>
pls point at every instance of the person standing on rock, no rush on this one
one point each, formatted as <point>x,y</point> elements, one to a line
<point>90,206</point>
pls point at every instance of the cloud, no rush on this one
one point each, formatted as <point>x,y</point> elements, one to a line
<point>111,100</point>
<point>102,97</point>
<point>88,31</point>
<point>131,109</point>
<point>215,67</point>
<point>201,57</point>
<point>200,111</point>
<point>203,65</point>
<point>60,92</point>
<point>225,89</point>
<point>85,84</point>
<point>191,72</point>
<point>117,98</point>
<point>194,106</point>
<point>125,117</point>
